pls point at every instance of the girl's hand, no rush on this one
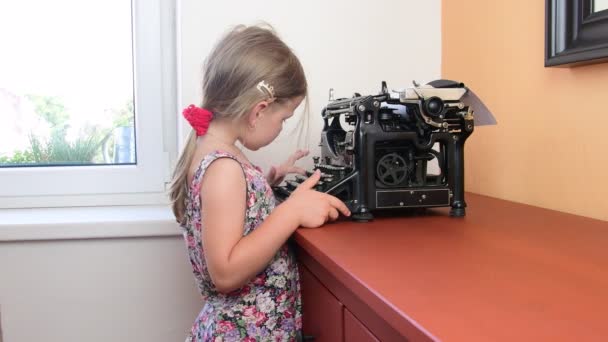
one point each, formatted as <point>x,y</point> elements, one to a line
<point>313,208</point>
<point>276,174</point>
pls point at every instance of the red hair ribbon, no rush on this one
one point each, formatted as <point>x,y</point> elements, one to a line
<point>199,118</point>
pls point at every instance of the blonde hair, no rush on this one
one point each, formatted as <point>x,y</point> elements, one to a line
<point>241,59</point>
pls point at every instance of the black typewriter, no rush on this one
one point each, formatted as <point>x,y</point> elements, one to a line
<point>377,150</point>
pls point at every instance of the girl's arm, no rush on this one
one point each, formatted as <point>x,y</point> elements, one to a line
<point>233,259</point>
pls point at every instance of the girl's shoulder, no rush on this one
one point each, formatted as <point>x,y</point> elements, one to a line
<point>215,154</point>
<point>209,158</point>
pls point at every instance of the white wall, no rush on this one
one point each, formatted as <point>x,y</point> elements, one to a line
<point>102,290</point>
<point>350,46</point>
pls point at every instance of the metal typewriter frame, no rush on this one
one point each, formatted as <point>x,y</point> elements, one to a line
<point>349,160</point>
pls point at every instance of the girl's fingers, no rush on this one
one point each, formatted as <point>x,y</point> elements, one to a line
<point>272,172</point>
<point>298,170</point>
<point>299,154</point>
<point>333,213</point>
<point>339,205</point>
<point>311,181</point>
<point>272,175</point>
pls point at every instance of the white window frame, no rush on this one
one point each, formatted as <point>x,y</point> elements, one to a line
<point>155,86</point>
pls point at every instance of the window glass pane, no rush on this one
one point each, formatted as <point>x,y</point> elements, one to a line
<point>600,5</point>
<point>66,83</point>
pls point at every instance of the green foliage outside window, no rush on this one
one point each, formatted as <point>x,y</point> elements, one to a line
<point>86,148</point>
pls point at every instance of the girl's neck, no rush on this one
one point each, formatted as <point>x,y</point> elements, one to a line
<point>223,135</point>
<point>223,130</point>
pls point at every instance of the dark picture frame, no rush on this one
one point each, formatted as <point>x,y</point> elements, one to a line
<point>574,33</point>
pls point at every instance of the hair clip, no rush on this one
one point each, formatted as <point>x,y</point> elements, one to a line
<point>266,89</point>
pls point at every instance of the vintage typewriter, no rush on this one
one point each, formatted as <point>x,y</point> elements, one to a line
<point>376,150</point>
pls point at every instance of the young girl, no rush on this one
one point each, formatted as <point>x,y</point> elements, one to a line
<point>236,238</point>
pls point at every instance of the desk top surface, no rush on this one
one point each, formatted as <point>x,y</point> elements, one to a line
<point>506,271</point>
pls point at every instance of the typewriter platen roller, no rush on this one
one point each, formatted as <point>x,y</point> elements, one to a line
<point>377,150</point>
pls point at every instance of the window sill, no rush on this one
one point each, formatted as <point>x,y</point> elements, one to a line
<point>87,223</point>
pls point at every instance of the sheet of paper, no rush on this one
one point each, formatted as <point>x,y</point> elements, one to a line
<point>482,114</point>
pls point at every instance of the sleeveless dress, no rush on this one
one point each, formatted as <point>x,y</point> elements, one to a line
<point>268,307</point>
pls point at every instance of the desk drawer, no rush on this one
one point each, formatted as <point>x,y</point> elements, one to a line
<point>355,331</point>
<point>322,315</point>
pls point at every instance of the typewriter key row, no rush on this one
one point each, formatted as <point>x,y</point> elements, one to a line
<point>329,174</point>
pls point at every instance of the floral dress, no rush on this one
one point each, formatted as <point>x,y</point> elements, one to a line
<point>268,308</point>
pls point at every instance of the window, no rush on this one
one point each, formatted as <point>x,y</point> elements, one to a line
<point>83,89</point>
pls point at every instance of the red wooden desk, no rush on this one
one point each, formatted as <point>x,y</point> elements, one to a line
<point>505,272</point>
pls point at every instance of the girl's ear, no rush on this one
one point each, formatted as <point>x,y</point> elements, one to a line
<point>256,113</point>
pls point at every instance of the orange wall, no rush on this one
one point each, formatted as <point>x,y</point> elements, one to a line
<point>550,147</point>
